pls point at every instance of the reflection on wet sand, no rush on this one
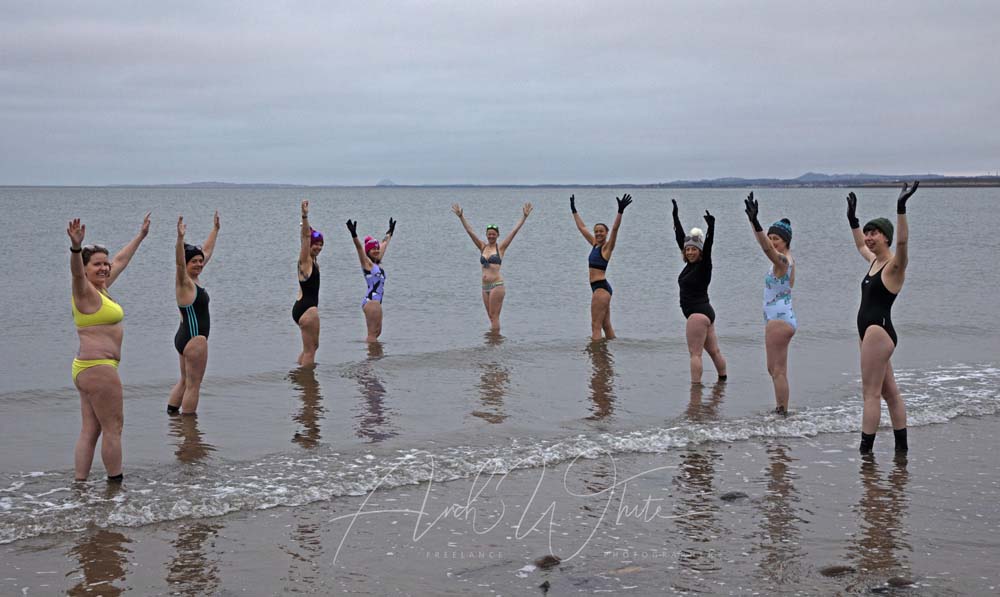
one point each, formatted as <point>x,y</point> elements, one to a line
<point>602,380</point>
<point>779,532</point>
<point>191,448</point>
<point>373,421</point>
<point>494,380</point>
<point>194,570</point>
<point>304,381</point>
<point>697,506</point>
<point>103,558</point>
<point>304,570</point>
<point>880,544</point>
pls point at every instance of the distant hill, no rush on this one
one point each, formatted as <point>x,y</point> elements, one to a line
<point>385,182</point>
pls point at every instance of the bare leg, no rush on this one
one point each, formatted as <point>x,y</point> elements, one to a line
<point>496,297</point>
<point>713,350</point>
<point>195,362</point>
<point>893,399</point>
<point>309,325</point>
<point>876,348</point>
<point>777,335</point>
<point>600,304</point>
<point>177,392</point>
<point>373,319</point>
<point>697,331</point>
<point>609,332</point>
<point>101,390</point>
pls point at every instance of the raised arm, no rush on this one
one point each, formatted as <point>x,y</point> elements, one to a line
<point>305,244</point>
<point>121,260</point>
<point>706,251</point>
<point>183,281</point>
<point>366,263</point>
<point>524,216</point>
<point>209,247</point>
<point>579,222</point>
<point>388,237</point>
<point>679,233</point>
<point>609,245</point>
<point>752,210</point>
<point>84,293</point>
<point>900,260</point>
<point>468,228</point>
<point>859,237</point>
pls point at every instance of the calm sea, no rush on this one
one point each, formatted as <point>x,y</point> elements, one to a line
<point>268,434</point>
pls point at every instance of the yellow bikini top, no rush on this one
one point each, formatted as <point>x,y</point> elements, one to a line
<point>110,313</point>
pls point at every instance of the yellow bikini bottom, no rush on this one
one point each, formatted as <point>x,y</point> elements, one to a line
<point>80,366</point>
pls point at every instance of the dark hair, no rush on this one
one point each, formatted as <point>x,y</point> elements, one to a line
<point>89,251</point>
<point>602,224</point>
<point>191,251</point>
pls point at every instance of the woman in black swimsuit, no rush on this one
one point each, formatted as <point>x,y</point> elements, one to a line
<point>886,272</point>
<point>696,249</point>
<point>305,311</point>
<point>191,340</point>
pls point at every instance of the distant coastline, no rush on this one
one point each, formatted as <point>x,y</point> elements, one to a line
<point>808,180</point>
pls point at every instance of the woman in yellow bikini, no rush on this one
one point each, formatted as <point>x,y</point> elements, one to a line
<point>95,369</point>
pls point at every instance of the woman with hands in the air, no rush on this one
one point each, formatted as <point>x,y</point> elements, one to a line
<point>305,311</point>
<point>490,257</point>
<point>371,254</point>
<point>696,250</point>
<point>602,245</point>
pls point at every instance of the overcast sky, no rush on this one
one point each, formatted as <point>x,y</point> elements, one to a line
<point>494,92</point>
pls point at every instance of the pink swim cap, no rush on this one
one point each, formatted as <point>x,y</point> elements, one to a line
<point>370,243</point>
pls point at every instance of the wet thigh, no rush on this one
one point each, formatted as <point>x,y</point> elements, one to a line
<point>698,328</point>
<point>600,302</point>
<point>196,357</point>
<point>496,299</point>
<point>101,388</point>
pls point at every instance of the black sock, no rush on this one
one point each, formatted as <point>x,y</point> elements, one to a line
<point>173,410</point>
<point>723,377</point>
<point>867,442</point>
<point>117,478</point>
<point>900,439</point>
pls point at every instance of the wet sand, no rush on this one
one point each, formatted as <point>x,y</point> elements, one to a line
<point>764,516</point>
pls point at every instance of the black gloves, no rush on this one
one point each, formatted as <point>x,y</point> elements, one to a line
<point>752,210</point>
<point>353,227</point>
<point>709,218</point>
<point>572,203</point>
<point>852,204</point>
<point>623,202</point>
<point>904,195</point>
<point>392,227</point>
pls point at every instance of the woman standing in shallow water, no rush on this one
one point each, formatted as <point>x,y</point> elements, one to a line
<point>490,257</point>
<point>602,245</point>
<point>191,339</point>
<point>879,289</point>
<point>305,311</point>
<point>371,254</point>
<point>696,250</point>
<point>95,369</point>
<point>779,316</point>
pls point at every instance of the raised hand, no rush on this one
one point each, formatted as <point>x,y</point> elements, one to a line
<point>572,203</point>
<point>352,225</point>
<point>752,210</point>
<point>392,227</point>
<point>181,227</point>
<point>145,225</point>
<point>305,209</point>
<point>526,209</point>
<point>457,209</point>
<point>905,194</point>
<point>623,202</point>
<point>216,220</point>
<point>852,206</point>
<point>709,218</point>
<point>76,232</point>
<point>674,212</point>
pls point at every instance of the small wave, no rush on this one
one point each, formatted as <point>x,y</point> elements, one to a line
<point>34,504</point>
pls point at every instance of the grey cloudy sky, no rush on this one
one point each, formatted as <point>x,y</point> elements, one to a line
<point>319,92</point>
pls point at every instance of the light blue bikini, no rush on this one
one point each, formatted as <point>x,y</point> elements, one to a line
<point>778,297</point>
